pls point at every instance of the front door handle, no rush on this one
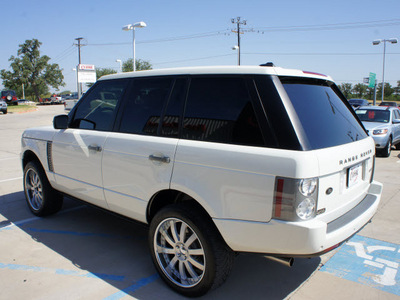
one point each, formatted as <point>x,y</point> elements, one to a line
<point>96,148</point>
<point>160,158</point>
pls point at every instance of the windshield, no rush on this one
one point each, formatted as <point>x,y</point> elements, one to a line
<point>325,118</point>
<point>372,115</point>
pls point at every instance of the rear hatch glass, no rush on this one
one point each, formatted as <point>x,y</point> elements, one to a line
<point>324,117</point>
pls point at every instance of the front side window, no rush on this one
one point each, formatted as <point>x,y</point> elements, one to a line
<point>220,110</point>
<point>323,115</point>
<point>98,109</point>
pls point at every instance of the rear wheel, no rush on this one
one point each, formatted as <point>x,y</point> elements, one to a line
<point>187,250</point>
<point>42,199</point>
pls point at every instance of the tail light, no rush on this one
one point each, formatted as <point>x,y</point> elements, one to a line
<point>295,199</point>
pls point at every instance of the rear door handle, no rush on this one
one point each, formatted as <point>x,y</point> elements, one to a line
<point>160,158</point>
<point>96,148</point>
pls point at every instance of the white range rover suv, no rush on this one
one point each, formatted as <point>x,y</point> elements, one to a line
<point>217,160</point>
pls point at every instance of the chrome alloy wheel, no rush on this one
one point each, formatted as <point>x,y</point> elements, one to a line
<point>33,189</point>
<point>179,252</point>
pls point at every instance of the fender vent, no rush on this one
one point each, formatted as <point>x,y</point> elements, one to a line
<point>50,156</point>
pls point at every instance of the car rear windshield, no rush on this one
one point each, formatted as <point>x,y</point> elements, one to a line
<point>6,93</point>
<point>324,117</point>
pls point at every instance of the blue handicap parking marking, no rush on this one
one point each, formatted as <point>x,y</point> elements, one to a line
<point>367,261</point>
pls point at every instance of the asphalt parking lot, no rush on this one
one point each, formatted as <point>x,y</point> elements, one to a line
<point>85,253</point>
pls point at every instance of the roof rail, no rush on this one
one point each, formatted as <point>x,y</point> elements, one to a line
<point>268,64</point>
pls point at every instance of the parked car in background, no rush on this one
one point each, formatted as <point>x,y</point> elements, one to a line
<point>44,101</point>
<point>356,103</point>
<point>383,124</point>
<point>25,102</point>
<point>389,103</point>
<point>3,106</point>
<point>70,101</point>
<point>56,99</point>
<point>10,97</point>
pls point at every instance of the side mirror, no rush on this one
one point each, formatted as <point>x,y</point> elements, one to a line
<point>60,122</point>
<point>396,121</point>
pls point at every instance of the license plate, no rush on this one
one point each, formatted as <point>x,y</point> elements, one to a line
<point>354,175</point>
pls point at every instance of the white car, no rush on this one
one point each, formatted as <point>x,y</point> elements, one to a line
<point>216,160</point>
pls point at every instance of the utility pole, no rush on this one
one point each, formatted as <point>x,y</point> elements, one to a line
<point>79,85</point>
<point>238,22</point>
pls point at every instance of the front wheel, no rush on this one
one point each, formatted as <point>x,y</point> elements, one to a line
<point>388,148</point>
<point>187,250</point>
<point>42,199</point>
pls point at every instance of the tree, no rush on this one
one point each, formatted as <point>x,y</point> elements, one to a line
<point>346,89</point>
<point>360,90</point>
<point>32,70</point>
<point>389,90</point>
<point>141,65</point>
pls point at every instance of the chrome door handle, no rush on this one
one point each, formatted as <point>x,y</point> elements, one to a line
<point>160,158</point>
<point>94,148</point>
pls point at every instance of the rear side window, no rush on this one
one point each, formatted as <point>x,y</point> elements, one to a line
<point>325,118</point>
<point>219,109</point>
<point>145,102</point>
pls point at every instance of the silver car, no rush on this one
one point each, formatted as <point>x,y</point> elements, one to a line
<point>3,106</point>
<point>383,124</point>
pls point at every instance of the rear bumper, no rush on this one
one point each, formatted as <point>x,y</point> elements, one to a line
<point>299,238</point>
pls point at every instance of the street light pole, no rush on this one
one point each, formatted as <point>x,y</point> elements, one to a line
<point>377,42</point>
<point>120,65</point>
<point>132,27</point>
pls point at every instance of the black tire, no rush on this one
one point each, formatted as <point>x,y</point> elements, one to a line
<point>41,198</point>
<point>200,262</point>
<point>397,146</point>
<point>385,152</point>
<point>5,111</point>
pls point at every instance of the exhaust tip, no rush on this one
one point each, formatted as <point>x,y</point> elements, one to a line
<point>287,261</point>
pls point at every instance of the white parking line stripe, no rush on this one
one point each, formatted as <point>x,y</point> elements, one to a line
<point>11,179</point>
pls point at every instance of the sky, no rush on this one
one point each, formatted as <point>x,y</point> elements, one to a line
<point>329,37</point>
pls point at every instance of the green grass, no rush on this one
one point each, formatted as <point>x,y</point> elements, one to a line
<point>21,108</point>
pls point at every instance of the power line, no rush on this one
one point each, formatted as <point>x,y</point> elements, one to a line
<point>320,53</point>
<point>333,26</point>
<point>169,39</point>
<point>67,52</point>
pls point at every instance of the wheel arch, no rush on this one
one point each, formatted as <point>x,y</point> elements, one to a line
<point>29,156</point>
<point>166,197</point>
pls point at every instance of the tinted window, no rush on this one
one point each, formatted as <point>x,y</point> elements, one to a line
<point>397,114</point>
<point>145,103</point>
<point>97,110</point>
<point>373,115</point>
<point>170,124</point>
<point>325,118</point>
<point>220,110</point>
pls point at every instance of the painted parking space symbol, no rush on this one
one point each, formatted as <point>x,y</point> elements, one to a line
<point>367,261</point>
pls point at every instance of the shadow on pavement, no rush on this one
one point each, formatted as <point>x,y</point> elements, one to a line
<point>116,251</point>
